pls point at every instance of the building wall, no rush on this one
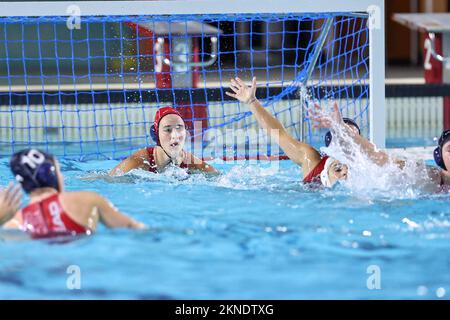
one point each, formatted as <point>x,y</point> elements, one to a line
<point>403,45</point>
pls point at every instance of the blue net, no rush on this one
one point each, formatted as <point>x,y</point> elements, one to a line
<point>91,90</point>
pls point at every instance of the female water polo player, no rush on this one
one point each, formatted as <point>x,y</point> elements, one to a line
<point>432,176</point>
<point>9,202</point>
<point>169,132</point>
<point>317,169</point>
<point>52,211</point>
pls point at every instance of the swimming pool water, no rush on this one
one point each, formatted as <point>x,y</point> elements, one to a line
<point>252,233</point>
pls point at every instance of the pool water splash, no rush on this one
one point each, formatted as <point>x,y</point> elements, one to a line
<point>367,178</point>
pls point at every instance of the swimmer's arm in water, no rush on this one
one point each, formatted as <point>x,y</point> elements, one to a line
<point>10,201</point>
<point>139,159</point>
<point>196,164</point>
<point>109,215</point>
<point>301,153</point>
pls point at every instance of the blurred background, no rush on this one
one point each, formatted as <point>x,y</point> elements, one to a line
<point>415,97</point>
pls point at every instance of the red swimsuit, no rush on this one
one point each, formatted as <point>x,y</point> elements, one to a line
<point>151,158</point>
<point>47,218</point>
<point>314,174</point>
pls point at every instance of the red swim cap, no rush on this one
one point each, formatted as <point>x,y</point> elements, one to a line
<point>161,113</point>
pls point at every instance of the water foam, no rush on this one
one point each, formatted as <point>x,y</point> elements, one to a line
<point>369,179</point>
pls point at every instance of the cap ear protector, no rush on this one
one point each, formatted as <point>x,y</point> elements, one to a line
<point>348,121</point>
<point>34,169</point>
<point>153,134</point>
<point>437,153</point>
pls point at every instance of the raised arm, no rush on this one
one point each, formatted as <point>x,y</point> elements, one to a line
<point>301,153</point>
<point>10,201</point>
<point>377,156</point>
<point>139,159</point>
<point>338,128</point>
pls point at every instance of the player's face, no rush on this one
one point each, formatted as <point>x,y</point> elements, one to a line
<point>446,154</point>
<point>337,171</point>
<point>172,134</point>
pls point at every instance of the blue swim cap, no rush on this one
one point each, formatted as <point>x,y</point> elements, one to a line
<point>34,169</point>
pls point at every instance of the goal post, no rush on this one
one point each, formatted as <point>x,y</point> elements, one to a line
<point>83,79</point>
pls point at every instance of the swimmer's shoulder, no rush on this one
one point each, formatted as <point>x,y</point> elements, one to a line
<point>142,153</point>
<point>80,197</point>
<point>141,158</point>
<point>80,201</point>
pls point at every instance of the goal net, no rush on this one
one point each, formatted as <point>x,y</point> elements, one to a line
<point>83,80</point>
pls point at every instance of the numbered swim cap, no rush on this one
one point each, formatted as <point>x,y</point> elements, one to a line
<point>34,169</point>
<point>350,122</point>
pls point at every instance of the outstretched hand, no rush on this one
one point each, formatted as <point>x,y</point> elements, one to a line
<point>10,201</point>
<point>322,120</point>
<point>242,92</point>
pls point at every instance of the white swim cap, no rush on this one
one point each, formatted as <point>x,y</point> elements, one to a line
<point>324,178</point>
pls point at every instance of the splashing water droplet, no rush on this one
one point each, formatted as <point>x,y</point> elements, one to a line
<point>440,292</point>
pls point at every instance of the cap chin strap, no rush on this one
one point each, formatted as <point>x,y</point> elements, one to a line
<point>170,158</point>
<point>324,177</point>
